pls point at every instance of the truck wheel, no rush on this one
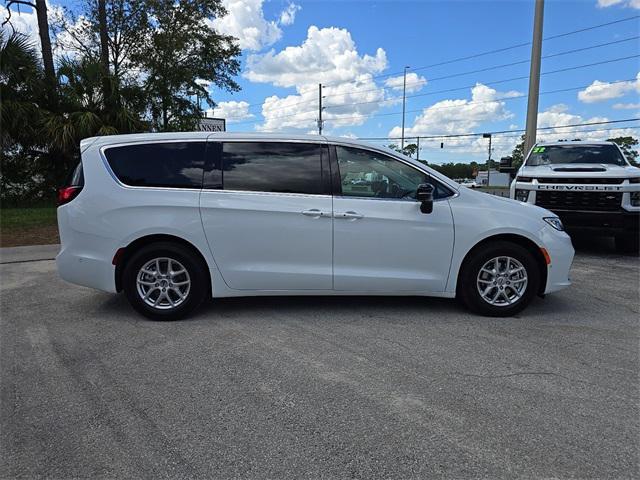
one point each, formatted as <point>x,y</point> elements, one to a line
<point>499,279</point>
<point>629,243</point>
<point>165,281</point>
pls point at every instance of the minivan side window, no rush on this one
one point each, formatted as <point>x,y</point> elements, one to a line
<point>168,164</point>
<point>364,173</point>
<point>278,167</point>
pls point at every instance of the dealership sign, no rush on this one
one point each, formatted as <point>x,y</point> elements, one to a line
<point>212,125</point>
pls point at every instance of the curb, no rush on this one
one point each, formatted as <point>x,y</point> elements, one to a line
<point>31,253</point>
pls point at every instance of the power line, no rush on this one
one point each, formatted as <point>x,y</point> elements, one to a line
<point>355,117</point>
<point>473,102</point>
<point>495,67</point>
<point>468,57</point>
<point>459,135</point>
<point>500,50</point>
<point>499,140</point>
<point>450,90</point>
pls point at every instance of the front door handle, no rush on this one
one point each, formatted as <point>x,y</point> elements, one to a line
<point>350,214</point>
<point>314,212</point>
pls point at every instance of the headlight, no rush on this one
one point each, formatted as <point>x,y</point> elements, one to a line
<point>524,179</point>
<point>634,180</point>
<point>635,199</point>
<point>522,195</point>
<point>555,222</point>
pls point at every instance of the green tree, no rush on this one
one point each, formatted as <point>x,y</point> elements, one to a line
<point>40,7</point>
<point>628,147</point>
<point>409,150</point>
<point>182,54</point>
<point>22,87</point>
<point>517,154</point>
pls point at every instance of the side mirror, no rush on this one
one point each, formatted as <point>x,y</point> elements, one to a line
<point>424,195</point>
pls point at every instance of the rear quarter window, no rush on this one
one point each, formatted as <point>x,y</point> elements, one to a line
<point>170,164</point>
<point>75,177</point>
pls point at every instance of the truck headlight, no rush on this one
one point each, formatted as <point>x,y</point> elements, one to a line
<point>555,222</point>
<point>635,199</point>
<point>522,195</point>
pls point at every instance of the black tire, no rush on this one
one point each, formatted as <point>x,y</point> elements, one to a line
<point>468,286</point>
<point>197,273</point>
<point>628,243</point>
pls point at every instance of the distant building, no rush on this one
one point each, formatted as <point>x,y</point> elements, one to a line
<point>496,179</point>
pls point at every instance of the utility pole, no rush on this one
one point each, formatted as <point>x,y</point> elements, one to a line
<point>488,135</point>
<point>319,109</point>
<point>534,79</point>
<point>418,149</point>
<point>404,96</point>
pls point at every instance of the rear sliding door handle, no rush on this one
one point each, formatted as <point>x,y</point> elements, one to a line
<point>349,214</point>
<point>314,212</point>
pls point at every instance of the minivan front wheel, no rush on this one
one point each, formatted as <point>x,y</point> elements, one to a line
<point>499,279</point>
<point>165,281</point>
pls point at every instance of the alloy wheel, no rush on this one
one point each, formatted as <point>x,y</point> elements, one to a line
<point>502,281</point>
<point>163,283</point>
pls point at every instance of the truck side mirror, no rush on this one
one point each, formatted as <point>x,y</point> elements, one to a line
<point>424,195</point>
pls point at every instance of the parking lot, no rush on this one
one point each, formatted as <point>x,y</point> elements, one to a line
<point>322,387</point>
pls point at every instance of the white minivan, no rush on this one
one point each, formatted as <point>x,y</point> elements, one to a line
<point>174,218</point>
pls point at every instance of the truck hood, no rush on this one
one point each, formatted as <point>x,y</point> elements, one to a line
<point>579,170</point>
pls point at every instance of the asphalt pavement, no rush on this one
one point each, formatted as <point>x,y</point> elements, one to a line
<point>349,387</point>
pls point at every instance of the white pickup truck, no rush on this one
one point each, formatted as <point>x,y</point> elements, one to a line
<point>590,185</point>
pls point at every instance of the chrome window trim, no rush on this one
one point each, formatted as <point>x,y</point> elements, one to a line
<point>257,192</point>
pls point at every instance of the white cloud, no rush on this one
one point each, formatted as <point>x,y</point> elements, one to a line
<point>232,111</point>
<point>600,91</point>
<point>626,106</point>
<point>626,3</point>
<point>559,115</point>
<point>328,56</point>
<point>414,82</point>
<point>461,115</point>
<point>245,21</point>
<point>24,22</point>
<point>288,15</point>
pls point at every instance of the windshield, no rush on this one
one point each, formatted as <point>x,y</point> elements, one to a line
<point>555,154</point>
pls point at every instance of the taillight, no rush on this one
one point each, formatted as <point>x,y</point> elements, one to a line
<point>66,194</point>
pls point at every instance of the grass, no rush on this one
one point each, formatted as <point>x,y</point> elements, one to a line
<point>35,225</point>
<point>27,217</point>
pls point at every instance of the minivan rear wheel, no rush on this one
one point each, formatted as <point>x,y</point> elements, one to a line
<point>165,281</point>
<point>499,279</point>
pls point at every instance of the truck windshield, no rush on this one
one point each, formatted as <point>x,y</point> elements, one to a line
<point>556,154</point>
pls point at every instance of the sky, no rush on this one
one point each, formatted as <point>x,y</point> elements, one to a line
<point>358,50</point>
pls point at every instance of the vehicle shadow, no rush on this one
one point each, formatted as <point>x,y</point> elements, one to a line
<point>596,245</point>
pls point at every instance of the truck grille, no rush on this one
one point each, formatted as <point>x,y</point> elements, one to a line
<point>588,201</point>
<point>582,181</point>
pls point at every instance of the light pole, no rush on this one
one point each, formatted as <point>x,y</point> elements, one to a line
<point>404,98</point>
<point>319,109</point>
<point>534,79</point>
<point>488,135</point>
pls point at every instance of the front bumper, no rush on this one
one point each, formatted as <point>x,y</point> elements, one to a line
<point>560,249</point>
<point>604,223</point>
